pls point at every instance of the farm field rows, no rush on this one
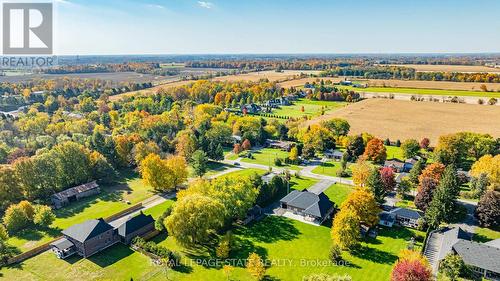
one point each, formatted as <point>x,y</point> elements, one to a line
<point>430,92</point>
<point>397,119</point>
<point>269,74</point>
<point>450,68</point>
<point>440,85</point>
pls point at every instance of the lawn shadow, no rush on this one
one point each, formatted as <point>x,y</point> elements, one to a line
<point>374,255</point>
<point>73,259</point>
<point>242,248</point>
<point>270,229</point>
<point>111,255</point>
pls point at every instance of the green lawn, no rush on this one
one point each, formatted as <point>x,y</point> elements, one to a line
<point>330,169</point>
<point>486,234</point>
<point>394,152</point>
<point>302,183</point>
<point>338,193</point>
<point>245,172</point>
<point>157,210</point>
<point>266,157</point>
<point>311,108</point>
<point>416,91</point>
<point>291,248</point>
<point>111,200</point>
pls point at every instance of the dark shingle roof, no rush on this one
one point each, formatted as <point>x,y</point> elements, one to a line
<point>134,224</point>
<point>450,237</point>
<point>385,216</point>
<point>62,244</point>
<point>312,204</point>
<point>406,213</point>
<point>479,255</point>
<point>84,231</point>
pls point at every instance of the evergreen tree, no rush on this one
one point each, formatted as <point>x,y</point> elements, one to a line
<point>443,201</point>
<point>416,170</point>
<point>376,186</point>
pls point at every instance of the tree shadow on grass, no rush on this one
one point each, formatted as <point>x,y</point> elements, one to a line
<point>270,229</point>
<point>374,255</point>
<point>111,255</point>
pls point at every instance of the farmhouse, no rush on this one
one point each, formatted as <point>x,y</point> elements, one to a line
<point>483,258</point>
<point>401,216</point>
<point>333,154</point>
<point>93,236</point>
<point>312,207</point>
<point>283,145</point>
<point>69,195</point>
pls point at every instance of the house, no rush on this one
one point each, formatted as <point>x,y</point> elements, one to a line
<point>401,216</point>
<point>365,231</point>
<point>283,145</point>
<point>386,219</point>
<point>236,139</point>
<point>252,214</point>
<point>251,108</point>
<point>396,164</point>
<point>346,83</point>
<point>136,226</point>
<point>482,258</point>
<point>93,236</point>
<point>73,194</point>
<point>333,154</point>
<point>312,207</point>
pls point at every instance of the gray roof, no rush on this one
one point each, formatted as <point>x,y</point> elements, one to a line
<point>407,213</point>
<point>311,204</point>
<point>479,255</point>
<point>450,237</point>
<point>493,243</point>
<point>401,176</point>
<point>396,163</point>
<point>135,223</point>
<point>75,190</point>
<point>88,229</point>
<point>385,216</point>
<point>62,244</point>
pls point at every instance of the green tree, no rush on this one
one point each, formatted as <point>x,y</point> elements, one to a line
<point>43,215</point>
<point>375,184</point>
<point>194,218</point>
<point>453,267</point>
<point>443,200</point>
<point>416,170</point>
<point>410,148</point>
<point>199,162</point>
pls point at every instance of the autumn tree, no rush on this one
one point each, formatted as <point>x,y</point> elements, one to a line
<point>339,127</point>
<point>360,172</point>
<point>410,148</point>
<point>255,266</point>
<point>434,171</point>
<point>490,166</point>
<point>443,203</point>
<point>411,267</point>
<point>387,175</point>
<point>10,190</point>
<point>237,148</point>
<point>157,173</point>
<point>18,216</point>
<point>246,145</point>
<point>362,203</point>
<point>317,138</point>
<point>345,230</point>
<point>488,209</point>
<point>194,218</point>
<point>178,167</point>
<point>143,149</point>
<point>43,215</point>
<point>424,143</point>
<point>294,155</point>
<point>375,151</point>
<point>355,147</point>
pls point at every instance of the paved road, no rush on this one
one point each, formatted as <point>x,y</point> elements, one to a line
<point>470,222</point>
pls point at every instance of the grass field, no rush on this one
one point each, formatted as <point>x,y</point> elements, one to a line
<point>110,201</point>
<point>394,152</point>
<point>276,239</point>
<point>329,168</point>
<point>429,92</point>
<point>338,193</point>
<point>266,157</point>
<point>450,68</point>
<point>311,108</point>
<point>484,234</point>
<point>397,119</point>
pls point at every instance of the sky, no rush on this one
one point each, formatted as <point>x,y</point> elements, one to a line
<point>84,27</point>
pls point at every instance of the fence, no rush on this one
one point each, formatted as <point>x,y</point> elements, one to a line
<point>44,247</point>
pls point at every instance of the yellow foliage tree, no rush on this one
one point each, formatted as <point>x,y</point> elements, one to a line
<point>345,229</point>
<point>255,266</point>
<point>362,202</point>
<point>360,172</point>
<point>156,173</point>
<point>490,166</point>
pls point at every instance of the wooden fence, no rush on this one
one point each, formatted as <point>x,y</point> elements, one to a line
<point>46,246</point>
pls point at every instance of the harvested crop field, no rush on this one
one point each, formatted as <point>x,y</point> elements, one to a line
<point>443,85</point>
<point>270,74</point>
<point>450,68</point>
<point>302,81</point>
<point>397,119</point>
<point>151,90</point>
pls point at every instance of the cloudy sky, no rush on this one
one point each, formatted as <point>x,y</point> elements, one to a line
<point>276,26</point>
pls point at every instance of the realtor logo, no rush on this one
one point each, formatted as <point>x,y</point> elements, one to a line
<point>27,29</point>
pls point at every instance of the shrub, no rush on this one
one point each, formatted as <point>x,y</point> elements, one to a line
<point>335,253</point>
<point>278,162</point>
<point>480,101</point>
<point>492,101</point>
